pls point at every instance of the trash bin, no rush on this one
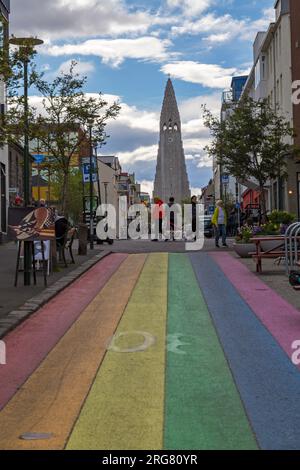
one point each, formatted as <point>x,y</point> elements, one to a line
<point>83,239</point>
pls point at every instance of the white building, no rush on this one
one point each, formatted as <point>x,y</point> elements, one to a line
<point>226,186</point>
<point>109,170</point>
<point>4,190</point>
<point>271,78</point>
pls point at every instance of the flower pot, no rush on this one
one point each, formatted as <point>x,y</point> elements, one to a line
<point>243,249</point>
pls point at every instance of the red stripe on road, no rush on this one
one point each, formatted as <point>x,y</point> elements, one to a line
<point>30,342</point>
<point>279,317</point>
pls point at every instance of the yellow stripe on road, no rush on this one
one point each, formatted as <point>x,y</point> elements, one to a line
<point>125,408</point>
<point>50,401</point>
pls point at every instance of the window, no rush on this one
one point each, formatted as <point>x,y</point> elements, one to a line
<point>279,39</point>
<point>3,31</point>
<point>257,74</point>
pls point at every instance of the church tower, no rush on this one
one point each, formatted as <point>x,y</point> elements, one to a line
<point>171,178</point>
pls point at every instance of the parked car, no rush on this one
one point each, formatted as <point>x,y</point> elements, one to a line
<point>208,226</point>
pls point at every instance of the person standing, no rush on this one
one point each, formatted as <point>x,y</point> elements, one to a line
<point>219,220</point>
<point>172,220</point>
<point>194,215</point>
<point>158,215</point>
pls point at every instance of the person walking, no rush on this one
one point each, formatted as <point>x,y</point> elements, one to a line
<point>158,215</point>
<point>194,214</point>
<point>172,220</point>
<point>219,220</point>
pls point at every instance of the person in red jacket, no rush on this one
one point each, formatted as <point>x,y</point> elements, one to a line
<point>158,214</point>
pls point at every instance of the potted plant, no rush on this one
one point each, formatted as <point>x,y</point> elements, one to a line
<point>243,246</point>
<point>276,226</point>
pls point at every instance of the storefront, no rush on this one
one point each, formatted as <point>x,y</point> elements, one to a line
<point>4,16</point>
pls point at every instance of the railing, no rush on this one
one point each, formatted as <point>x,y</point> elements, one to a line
<point>292,237</point>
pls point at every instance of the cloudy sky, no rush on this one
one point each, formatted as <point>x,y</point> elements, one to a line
<point>127,48</point>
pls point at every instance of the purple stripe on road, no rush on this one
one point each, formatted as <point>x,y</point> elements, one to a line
<point>279,317</point>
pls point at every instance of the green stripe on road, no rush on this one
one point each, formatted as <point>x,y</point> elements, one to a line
<point>203,409</point>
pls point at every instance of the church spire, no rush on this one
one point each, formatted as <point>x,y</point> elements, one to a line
<point>171,178</point>
<point>169,108</point>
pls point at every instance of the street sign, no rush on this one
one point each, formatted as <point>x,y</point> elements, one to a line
<point>39,157</point>
<point>211,209</point>
<point>225,179</point>
<point>238,205</point>
<point>86,173</point>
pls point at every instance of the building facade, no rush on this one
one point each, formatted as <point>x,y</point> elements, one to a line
<point>225,186</point>
<point>276,66</point>
<point>4,183</point>
<point>171,178</point>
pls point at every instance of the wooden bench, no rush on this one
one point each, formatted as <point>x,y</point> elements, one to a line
<point>267,255</point>
<point>274,253</point>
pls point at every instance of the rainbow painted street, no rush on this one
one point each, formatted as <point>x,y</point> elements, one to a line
<point>157,351</point>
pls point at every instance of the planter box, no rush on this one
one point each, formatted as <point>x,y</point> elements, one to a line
<point>243,249</point>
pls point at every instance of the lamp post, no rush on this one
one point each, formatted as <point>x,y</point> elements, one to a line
<point>25,45</point>
<point>90,125</point>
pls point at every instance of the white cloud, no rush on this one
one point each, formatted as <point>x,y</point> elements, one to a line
<point>61,19</point>
<point>190,7</point>
<point>115,51</point>
<point>147,187</point>
<point>140,154</point>
<point>82,68</point>
<point>224,28</point>
<point>134,135</point>
<point>207,75</point>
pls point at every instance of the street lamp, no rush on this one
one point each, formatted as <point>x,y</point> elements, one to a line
<point>90,125</point>
<point>25,45</point>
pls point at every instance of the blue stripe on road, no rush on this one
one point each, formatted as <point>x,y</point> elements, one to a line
<point>268,382</point>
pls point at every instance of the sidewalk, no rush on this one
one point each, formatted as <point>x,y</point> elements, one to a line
<point>274,277</point>
<point>11,297</point>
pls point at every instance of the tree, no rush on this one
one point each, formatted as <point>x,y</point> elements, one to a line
<point>252,143</point>
<point>75,193</point>
<point>67,115</point>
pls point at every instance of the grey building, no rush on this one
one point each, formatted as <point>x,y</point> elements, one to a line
<point>4,18</point>
<point>171,178</point>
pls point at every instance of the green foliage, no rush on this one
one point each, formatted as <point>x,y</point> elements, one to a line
<point>245,233</point>
<point>68,115</point>
<point>251,143</point>
<point>270,228</point>
<point>281,217</point>
<point>74,202</point>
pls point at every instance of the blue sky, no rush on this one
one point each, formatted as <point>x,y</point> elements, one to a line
<point>127,48</point>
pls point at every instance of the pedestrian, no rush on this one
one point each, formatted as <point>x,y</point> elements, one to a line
<point>194,215</point>
<point>172,219</point>
<point>232,223</point>
<point>18,201</point>
<point>158,215</point>
<point>219,220</point>
<point>42,203</point>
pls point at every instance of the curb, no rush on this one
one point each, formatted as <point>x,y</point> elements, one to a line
<point>18,316</point>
